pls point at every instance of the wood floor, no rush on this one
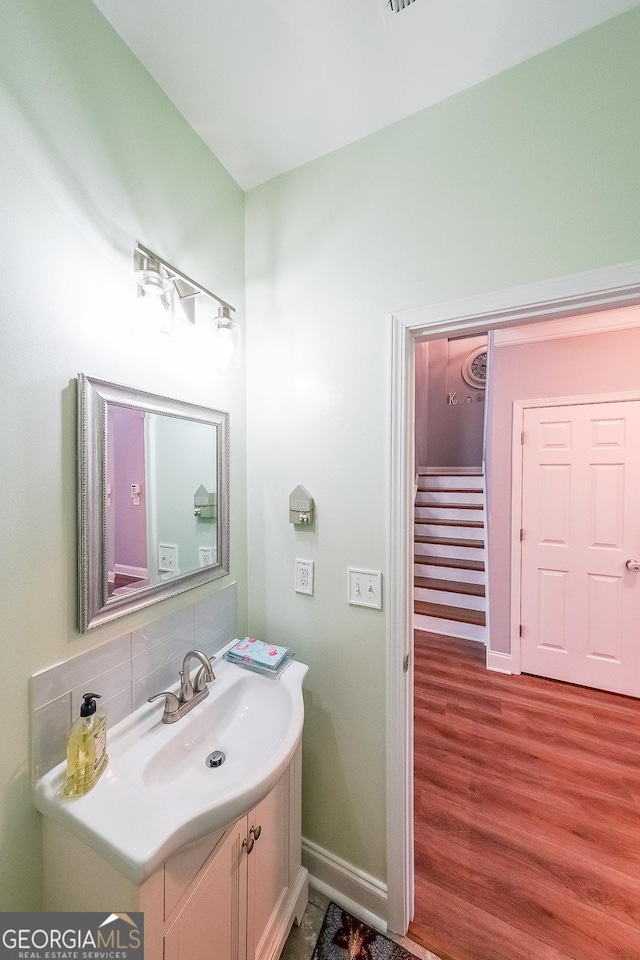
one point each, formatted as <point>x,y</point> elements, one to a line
<point>527,813</point>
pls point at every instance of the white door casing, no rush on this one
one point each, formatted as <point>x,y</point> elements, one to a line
<point>580,517</point>
<point>583,293</point>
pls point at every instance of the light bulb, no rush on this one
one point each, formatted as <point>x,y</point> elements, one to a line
<point>224,344</point>
<point>226,340</point>
<point>151,280</point>
<point>154,318</point>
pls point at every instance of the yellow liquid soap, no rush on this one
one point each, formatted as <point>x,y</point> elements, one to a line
<point>86,749</point>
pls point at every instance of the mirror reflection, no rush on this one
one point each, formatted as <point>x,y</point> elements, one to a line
<point>161,509</point>
<point>153,498</point>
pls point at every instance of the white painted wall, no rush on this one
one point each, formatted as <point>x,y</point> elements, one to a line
<point>531,175</point>
<point>92,157</point>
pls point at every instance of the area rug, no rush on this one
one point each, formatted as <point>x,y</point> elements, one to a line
<point>343,937</point>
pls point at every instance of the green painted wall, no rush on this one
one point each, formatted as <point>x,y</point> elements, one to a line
<point>92,158</point>
<point>533,174</point>
<point>185,457</point>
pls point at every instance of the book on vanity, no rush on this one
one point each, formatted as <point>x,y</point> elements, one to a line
<point>266,658</point>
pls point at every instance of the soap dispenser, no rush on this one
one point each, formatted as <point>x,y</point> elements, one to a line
<point>86,748</point>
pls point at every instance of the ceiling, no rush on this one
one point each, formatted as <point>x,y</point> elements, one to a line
<point>271,84</point>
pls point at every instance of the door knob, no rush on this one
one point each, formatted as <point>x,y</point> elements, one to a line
<point>633,565</point>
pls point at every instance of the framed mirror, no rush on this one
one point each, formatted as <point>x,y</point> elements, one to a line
<point>153,498</point>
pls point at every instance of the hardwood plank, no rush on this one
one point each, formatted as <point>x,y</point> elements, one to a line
<point>613,814</point>
<point>439,779</point>
<point>446,612</point>
<point>505,774</point>
<point>458,930</point>
<point>526,754</point>
<point>527,817</point>
<point>431,489</point>
<point>617,751</point>
<point>451,506</point>
<point>450,541</point>
<point>526,889</point>
<point>450,586</point>
<point>450,471</point>
<point>475,702</point>
<point>429,647</point>
<point>437,522</point>
<point>550,694</point>
<point>455,563</point>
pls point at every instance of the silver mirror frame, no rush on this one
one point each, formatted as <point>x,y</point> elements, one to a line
<point>93,398</point>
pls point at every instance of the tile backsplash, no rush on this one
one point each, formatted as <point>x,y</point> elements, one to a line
<point>125,672</point>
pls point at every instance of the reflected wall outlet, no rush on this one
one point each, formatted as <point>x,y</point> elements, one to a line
<point>364,588</point>
<point>304,577</point>
<point>205,556</point>
<point>167,558</point>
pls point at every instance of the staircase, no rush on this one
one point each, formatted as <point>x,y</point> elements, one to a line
<point>449,581</point>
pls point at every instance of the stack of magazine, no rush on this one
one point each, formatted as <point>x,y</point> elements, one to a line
<point>265,658</point>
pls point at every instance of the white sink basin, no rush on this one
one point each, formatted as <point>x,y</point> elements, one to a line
<point>158,793</point>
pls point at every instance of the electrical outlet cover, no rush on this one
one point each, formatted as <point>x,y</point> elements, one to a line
<point>304,577</point>
<point>205,556</point>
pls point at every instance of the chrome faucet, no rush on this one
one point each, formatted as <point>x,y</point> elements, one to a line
<point>175,707</point>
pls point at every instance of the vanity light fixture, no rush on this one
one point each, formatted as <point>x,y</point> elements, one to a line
<point>159,279</point>
<point>226,338</point>
<point>151,278</point>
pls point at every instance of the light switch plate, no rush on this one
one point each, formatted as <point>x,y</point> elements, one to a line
<point>364,588</point>
<point>304,577</point>
<point>167,558</point>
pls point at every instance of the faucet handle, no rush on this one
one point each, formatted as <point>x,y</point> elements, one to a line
<point>201,679</point>
<point>186,688</point>
<point>171,702</point>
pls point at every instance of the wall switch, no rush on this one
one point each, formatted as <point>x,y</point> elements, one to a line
<point>167,557</point>
<point>364,588</point>
<point>205,556</point>
<point>304,577</point>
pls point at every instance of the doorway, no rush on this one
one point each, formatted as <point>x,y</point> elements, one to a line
<point>579,294</point>
<point>450,535</point>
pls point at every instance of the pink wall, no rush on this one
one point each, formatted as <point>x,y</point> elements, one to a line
<point>576,366</point>
<point>129,522</point>
<point>447,435</point>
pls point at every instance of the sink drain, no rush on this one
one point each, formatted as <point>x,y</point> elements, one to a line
<point>215,759</point>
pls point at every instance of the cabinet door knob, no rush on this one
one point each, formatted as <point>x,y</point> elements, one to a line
<point>248,844</point>
<point>256,831</point>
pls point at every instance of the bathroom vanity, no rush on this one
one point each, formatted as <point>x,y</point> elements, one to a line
<point>230,896</point>
<point>196,823</point>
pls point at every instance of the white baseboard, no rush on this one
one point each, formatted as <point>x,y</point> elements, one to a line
<point>500,662</point>
<point>351,888</point>
<point>125,570</point>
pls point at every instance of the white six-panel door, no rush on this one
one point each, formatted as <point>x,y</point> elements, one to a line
<point>580,604</point>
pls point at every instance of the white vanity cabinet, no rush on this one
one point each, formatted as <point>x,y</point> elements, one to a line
<point>221,898</point>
